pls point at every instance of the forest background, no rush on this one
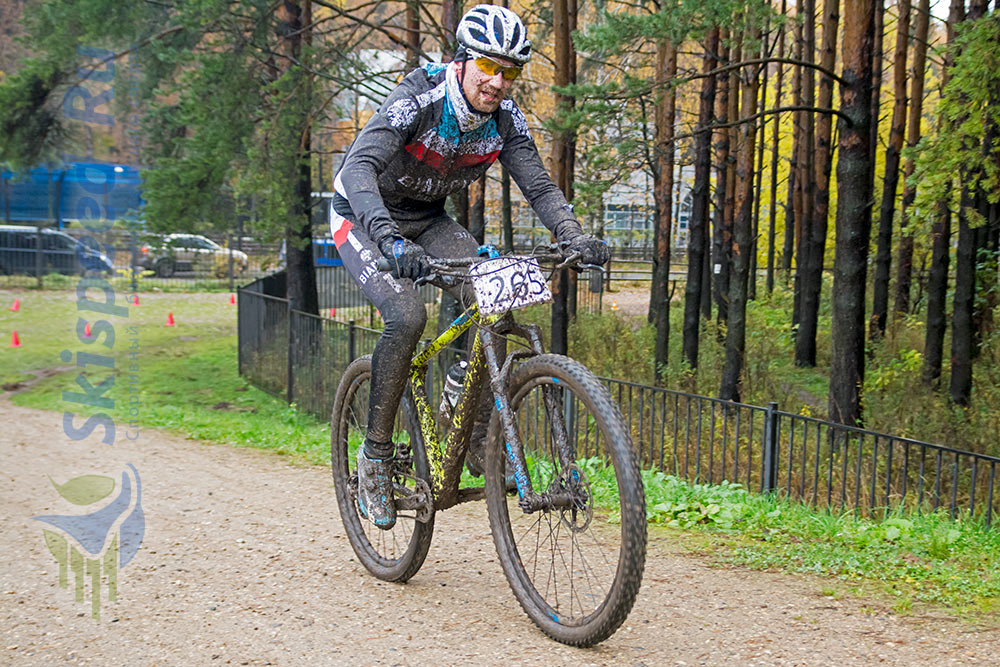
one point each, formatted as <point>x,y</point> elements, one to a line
<point>845,157</point>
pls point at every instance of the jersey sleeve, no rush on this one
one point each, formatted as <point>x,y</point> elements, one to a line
<point>520,156</point>
<point>381,139</point>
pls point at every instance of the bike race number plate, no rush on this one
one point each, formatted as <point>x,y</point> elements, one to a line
<point>509,283</point>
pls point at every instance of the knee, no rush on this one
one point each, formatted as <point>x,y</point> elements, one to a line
<point>407,321</point>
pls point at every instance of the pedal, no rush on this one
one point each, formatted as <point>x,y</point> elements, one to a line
<point>418,499</point>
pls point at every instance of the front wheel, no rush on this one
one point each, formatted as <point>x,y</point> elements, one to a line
<point>575,567</point>
<point>396,554</point>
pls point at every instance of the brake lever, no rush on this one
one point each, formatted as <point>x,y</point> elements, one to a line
<point>569,260</point>
<point>437,279</point>
<point>590,267</point>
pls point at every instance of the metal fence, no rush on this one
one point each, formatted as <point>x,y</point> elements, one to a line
<point>821,463</point>
<point>300,357</point>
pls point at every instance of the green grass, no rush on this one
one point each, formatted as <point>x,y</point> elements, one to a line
<point>188,381</point>
<point>188,384</point>
<point>909,561</point>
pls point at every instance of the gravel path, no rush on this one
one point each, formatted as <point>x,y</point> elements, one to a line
<point>245,562</point>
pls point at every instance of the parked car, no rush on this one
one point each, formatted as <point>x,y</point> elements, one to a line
<point>61,253</point>
<point>184,253</point>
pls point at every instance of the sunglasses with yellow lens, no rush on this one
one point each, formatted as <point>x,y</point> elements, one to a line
<point>491,67</point>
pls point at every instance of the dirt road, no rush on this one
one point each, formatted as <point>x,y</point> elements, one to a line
<point>244,562</point>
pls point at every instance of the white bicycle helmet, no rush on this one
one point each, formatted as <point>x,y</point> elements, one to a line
<point>494,31</point>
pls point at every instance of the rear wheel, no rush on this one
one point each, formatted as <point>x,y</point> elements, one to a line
<point>396,554</point>
<point>576,566</point>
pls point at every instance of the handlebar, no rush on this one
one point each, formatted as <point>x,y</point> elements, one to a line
<point>443,264</point>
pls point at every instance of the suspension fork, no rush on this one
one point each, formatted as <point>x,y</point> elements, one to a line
<point>530,500</point>
<point>556,412</point>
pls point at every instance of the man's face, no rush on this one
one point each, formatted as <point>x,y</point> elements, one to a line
<point>483,91</point>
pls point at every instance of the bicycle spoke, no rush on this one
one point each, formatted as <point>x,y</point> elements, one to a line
<point>395,554</point>
<point>567,558</point>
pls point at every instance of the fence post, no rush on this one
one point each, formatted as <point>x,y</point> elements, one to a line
<point>769,474</point>
<point>133,260</point>
<point>351,341</point>
<point>229,247</point>
<point>291,356</point>
<point>241,336</point>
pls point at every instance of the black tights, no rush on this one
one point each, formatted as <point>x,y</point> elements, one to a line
<point>404,314</point>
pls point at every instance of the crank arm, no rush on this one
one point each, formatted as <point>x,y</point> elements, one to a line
<point>419,499</point>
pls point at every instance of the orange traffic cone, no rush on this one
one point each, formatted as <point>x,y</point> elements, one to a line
<point>16,307</point>
<point>86,330</point>
<point>614,305</point>
<point>14,340</point>
<point>232,299</point>
<point>170,320</point>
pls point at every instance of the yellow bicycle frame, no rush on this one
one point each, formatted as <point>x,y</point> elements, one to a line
<point>445,457</point>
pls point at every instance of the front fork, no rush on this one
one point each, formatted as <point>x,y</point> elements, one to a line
<point>529,499</point>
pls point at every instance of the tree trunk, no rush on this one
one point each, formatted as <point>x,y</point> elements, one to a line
<point>883,253</point>
<point>721,147</point>
<point>706,277</point>
<point>904,267</point>
<point>561,171</point>
<point>450,15</point>
<point>853,224</point>
<point>450,308</point>
<point>806,184</point>
<point>729,210</point>
<point>962,330</point>
<point>877,67</point>
<point>788,244</point>
<point>798,156</point>
<point>773,211</point>
<point>937,291</point>
<point>563,152</point>
<point>698,224</point>
<point>989,233</point>
<point>742,240</point>
<point>412,34</point>
<point>815,238</point>
<point>937,284</point>
<point>506,212</point>
<point>569,157</point>
<point>759,175</point>
<point>505,206</point>
<point>301,274</point>
<point>793,201</point>
<point>663,188</point>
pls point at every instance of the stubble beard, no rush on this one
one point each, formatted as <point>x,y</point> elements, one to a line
<point>489,105</point>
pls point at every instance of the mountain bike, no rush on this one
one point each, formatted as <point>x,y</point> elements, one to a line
<point>561,480</point>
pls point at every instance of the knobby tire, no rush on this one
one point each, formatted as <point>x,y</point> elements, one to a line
<point>589,611</point>
<point>393,555</point>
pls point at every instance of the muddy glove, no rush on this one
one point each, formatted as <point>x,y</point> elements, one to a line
<point>408,260</point>
<point>592,250</point>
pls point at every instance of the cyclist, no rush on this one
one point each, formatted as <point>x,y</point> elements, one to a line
<point>438,131</point>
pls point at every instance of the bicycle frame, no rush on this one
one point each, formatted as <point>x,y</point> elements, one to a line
<point>446,457</point>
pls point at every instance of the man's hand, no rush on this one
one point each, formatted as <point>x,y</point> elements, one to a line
<point>408,259</point>
<point>592,250</point>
